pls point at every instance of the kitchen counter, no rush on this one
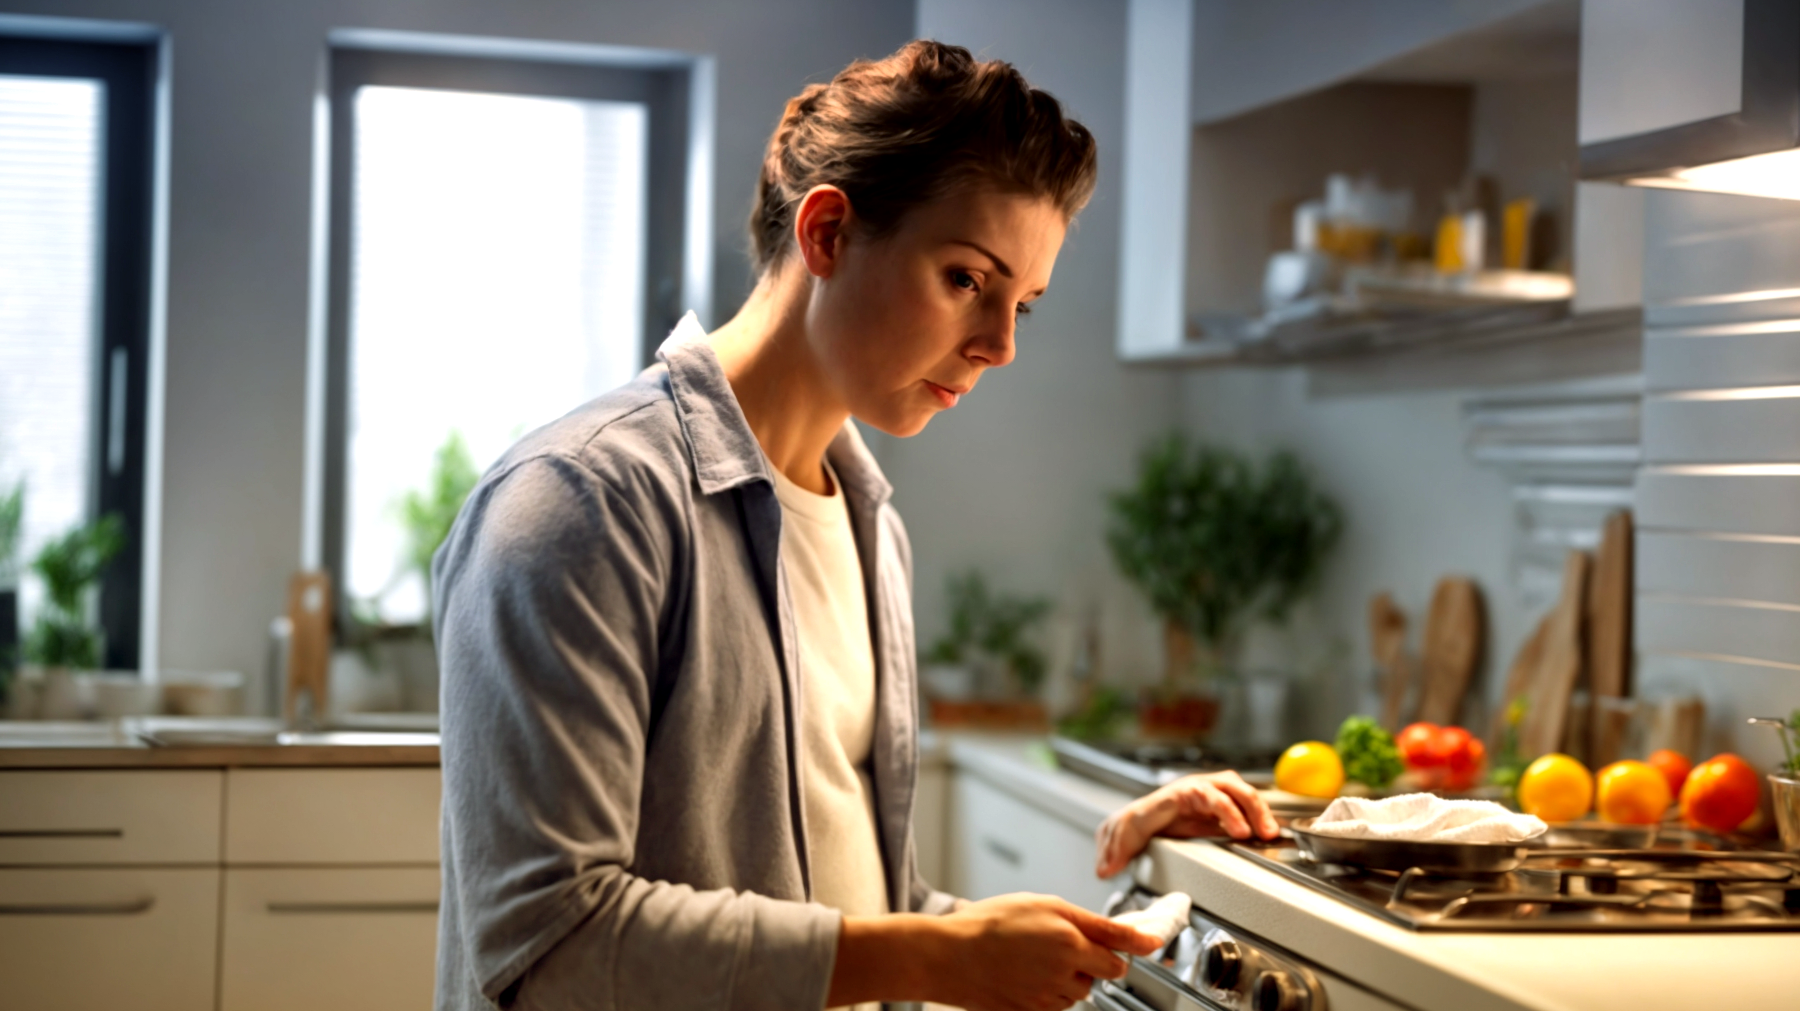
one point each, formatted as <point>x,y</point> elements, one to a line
<point>93,745</point>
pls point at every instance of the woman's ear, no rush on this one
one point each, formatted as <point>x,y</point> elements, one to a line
<point>821,227</point>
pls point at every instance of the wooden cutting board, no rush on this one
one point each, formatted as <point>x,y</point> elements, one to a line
<point>1559,666</point>
<point>1387,641</point>
<point>1452,648</point>
<point>309,651</point>
<point>1609,631</point>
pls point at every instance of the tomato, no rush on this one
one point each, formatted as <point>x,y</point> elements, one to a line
<point>1632,793</point>
<point>1418,746</point>
<point>1674,767</point>
<point>1720,793</point>
<point>1466,755</point>
<point>1441,757</point>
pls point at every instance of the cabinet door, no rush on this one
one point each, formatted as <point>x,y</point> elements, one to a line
<point>82,939</point>
<point>332,816</point>
<point>344,938</point>
<point>1000,844</point>
<point>110,816</point>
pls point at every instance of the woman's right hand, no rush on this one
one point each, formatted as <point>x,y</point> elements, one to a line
<point>1036,952</point>
<point>1011,953</point>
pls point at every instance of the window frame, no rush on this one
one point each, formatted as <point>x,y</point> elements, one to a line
<point>666,86</point>
<point>129,71</point>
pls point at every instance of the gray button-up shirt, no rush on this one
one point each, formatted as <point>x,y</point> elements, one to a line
<point>622,820</point>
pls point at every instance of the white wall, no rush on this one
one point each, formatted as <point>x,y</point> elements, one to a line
<point>1013,479</point>
<point>243,81</point>
<point>1415,509</point>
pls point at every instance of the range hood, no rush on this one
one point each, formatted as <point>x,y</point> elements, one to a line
<point>1692,94</point>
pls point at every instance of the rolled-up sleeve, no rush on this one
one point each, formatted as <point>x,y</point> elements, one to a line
<point>551,595</point>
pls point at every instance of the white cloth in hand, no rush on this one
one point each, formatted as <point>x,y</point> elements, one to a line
<point>1422,817</point>
<point>1162,919</point>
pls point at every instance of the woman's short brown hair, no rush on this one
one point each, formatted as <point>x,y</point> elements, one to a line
<point>899,132</point>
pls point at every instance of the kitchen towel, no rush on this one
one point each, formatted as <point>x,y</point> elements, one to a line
<point>1423,817</point>
<point>1162,919</point>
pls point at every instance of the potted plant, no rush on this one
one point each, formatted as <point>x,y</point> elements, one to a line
<point>988,650</point>
<point>63,638</point>
<point>1216,541</point>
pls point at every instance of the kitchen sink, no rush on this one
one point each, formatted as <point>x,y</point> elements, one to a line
<point>360,730</point>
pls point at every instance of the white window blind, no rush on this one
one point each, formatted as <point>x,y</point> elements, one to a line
<point>497,268</point>
<point>51,157</point>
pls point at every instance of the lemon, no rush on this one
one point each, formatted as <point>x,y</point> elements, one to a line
<point>1310,768</point>
<point>1556,788</point>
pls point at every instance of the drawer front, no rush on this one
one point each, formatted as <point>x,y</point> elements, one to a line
<point>1001,844</point>
<point>140,938</point>
<point>332,816</point>
<point>342,938</point>
<point>151,816</point>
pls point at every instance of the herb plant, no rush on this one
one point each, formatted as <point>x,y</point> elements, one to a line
<point>1217,541</point>
<point>1790,741</point>
<point>998,625</point>
<point>1368,752</point>
<point>12,517</point>
<point>69,567</point>
<point>429,514</point>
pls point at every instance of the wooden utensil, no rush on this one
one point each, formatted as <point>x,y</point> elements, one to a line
<point>1609,629</point>
<point>1518,680</point>
<point>309,650</point>
<point>1387,641</point>
<point>1559,667</point>
<point>1452,648</point>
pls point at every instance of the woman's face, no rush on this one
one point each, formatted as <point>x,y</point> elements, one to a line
<point>903,326</point>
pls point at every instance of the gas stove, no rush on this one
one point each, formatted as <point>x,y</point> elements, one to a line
<point>1140,767</point>
<point>1580,880</point>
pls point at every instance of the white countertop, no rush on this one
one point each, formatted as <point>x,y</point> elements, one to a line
<point>1429,970</point>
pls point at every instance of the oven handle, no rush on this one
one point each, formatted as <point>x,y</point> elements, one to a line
<point>1107,997</point>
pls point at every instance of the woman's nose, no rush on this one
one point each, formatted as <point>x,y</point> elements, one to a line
<point>994,346</point>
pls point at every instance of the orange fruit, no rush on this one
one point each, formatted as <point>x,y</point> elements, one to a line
<point>1720,793</point>
<point>1632,793</point>
<point>1311,769</point>
<point>1673,765</point>
<point>1556,788</point>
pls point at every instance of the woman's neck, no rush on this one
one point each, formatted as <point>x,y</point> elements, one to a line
<point>777,380</point>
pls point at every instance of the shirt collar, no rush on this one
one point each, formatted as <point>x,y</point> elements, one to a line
<point>725,451</point>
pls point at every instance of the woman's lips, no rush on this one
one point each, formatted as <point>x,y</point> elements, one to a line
<point>945,395</point>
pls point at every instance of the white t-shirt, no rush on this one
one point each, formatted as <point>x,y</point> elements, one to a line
<point>837,677</point>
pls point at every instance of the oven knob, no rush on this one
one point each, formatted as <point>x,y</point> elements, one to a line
<point>1222,965</point>
<point>1276,991</point>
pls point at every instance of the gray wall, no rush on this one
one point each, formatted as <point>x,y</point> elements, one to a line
<point>243,81</point>
<point>1013,479</point>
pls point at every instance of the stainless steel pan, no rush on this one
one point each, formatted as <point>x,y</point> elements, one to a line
<point>1388,854</point>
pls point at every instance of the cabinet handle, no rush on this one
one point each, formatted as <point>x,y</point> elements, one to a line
<point>62,833</point>
<point>77,908</point>
<point>1003,851</point>
<point>290,908</point>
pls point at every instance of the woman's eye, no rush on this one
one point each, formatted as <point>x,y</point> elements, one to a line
<point>963,279</point>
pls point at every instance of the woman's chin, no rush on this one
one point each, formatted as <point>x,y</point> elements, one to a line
<point>901,425</point>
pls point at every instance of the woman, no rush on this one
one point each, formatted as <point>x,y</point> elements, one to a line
<point>675,626</point>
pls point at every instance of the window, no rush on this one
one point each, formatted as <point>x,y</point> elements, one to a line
<point>75,183</point>
<point>502,252</point>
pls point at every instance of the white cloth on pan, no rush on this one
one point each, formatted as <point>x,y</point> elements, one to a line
<point>1422,817</point>
<point>1161,919</point>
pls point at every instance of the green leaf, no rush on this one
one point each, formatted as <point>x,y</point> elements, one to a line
<point>1368,752</point>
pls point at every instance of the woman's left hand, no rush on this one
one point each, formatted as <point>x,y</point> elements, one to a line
<point>1200,804</point>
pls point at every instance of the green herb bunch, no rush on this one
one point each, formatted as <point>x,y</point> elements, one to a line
<point>12,518</point>
<point>69,567</point>
<point>1368,752</point>
<point>1216,540</point>
<point>996,624</point>
<point>1790,741</point>
<point>429,514</point>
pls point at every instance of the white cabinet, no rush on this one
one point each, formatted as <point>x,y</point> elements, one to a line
<point>84,939</point>
<point>349,939</point>
<point>152,816</point>
<point>332,816</point>
<point>999,844</point>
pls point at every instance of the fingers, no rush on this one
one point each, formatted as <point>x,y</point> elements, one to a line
<point>1249,802</point>
<point>1204,797</point>
<point>1111,936</point>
